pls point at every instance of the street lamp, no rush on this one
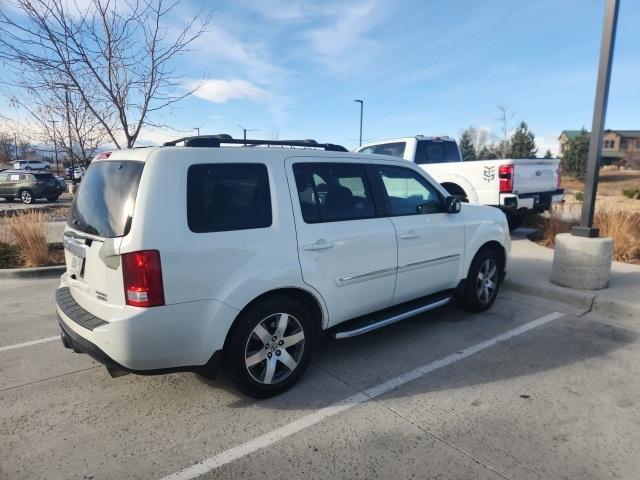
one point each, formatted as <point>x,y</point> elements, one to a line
<point>66,99</point>
<point>245,130</point>
<point>197,129</point>
<point>361,102</point>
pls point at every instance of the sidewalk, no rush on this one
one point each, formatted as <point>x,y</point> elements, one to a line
<point>530,270</point>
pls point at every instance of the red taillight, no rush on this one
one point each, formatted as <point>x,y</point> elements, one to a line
<point>505,174</point>
<point>142,276</point>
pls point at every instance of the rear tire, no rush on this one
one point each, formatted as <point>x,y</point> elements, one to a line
<point>269,347</point>
<point>52,199</point>
<point>483,281</point>
<point>27,197</point>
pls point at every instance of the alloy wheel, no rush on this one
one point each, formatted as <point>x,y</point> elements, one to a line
<point>487,281</point>
<point>26,197</point>
<point>274,348</point>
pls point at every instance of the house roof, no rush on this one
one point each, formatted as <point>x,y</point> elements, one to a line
<point>571,134</point>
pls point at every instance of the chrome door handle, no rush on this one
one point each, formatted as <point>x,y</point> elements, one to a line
<point>409,236</point>
<point>319,245</point>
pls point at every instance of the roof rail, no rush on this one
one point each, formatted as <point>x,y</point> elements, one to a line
<point>214,141</point>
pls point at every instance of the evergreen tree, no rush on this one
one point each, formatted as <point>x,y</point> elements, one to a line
<point>488,153</point>
<point>574,155</point>
<point>548,154</point>
<point>467,150</point>
<point>522,143</point>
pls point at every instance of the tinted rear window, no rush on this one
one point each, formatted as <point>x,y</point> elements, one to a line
<point>43,176</point>
<point>391,149</point>
<point>224,197</point>
<point>436,151</point>
<point>104,203</point>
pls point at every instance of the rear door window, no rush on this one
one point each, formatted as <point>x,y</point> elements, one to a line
<point>224,197</point>
<point>330,192</point>
<point>104,203</point>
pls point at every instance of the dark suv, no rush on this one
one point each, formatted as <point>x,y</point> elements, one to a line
<point>29,185</point>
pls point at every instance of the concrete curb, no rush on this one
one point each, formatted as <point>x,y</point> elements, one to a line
<point>574,298</point>
<point>36,272</point>
<point>586,301</point>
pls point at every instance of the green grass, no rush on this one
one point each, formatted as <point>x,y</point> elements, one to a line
<point>632,192</point>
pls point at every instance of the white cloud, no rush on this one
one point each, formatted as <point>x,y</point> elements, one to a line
<point>549,142</point>
<point>344,39</point>
<point>221,91</point>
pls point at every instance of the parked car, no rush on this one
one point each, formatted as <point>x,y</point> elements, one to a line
<point>31,165</point>
<point>28,186</point>
<point>182,257</point>
<point>516,186</point>
<point>76,172</point>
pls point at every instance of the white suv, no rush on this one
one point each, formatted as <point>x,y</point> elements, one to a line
<point>182,257</point>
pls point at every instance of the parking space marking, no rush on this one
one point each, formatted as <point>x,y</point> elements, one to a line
<point>273,436</point>
<point>28,344</point>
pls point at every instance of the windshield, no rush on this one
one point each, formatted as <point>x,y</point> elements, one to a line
<point>104,203</point>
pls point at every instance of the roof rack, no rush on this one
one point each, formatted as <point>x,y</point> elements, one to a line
<point>215,141</point>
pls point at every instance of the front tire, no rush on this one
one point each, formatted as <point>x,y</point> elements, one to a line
<point>26,197</point>
<point>483,281</point>
<point>270,347</point>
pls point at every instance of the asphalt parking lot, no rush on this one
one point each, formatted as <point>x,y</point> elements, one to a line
<point>527,390</point>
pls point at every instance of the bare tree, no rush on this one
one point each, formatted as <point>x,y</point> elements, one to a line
<point>116,56</point>
<point>7,149</point>
<point>501,145</point>
<point>274,134</point>
<point>479,137</point>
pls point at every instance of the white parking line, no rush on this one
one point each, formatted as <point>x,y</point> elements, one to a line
<point>28,344</point>
<point>273,436</point>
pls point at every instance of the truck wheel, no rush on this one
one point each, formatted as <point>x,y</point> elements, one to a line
<point>270,346</point>
<point>26,197</point>
<point>483,281</point>
<point>515,220</point>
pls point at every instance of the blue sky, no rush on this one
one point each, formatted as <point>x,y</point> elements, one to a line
<point>431,67</point>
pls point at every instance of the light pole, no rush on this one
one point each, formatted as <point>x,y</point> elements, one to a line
<point>361,102</point>
<point>55,145</point>
<point>245,130</point>
<point>15,144</point>
<point>586,228</point>
<point>197,129</point>
<point>66,102</point>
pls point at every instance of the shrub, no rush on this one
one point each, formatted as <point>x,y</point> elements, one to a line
<point>632,192</point>
<point>624,228</point>
<point>29,233</point>
<point>579,196</point>
<point>574,155</point>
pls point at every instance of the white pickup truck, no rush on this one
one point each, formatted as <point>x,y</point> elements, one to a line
<point>516,186</point>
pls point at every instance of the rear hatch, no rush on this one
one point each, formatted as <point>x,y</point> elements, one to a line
<point>101,214</point>
<point>536,175</point>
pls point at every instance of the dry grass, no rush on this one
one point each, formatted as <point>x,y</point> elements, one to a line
<point>29,232</point>
<point>624,228</point>
<point>621,225</point>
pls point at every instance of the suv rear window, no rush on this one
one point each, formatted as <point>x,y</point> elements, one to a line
<point>104,203</point>
<point>224,197</point>
<point>43,176</point>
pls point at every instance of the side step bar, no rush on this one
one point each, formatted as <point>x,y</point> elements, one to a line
<point>383,322</point>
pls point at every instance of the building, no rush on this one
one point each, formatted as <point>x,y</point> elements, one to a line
<point>620,147</point>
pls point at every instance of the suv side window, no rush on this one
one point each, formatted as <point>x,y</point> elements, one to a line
<point>406,190</point>
<point>224,197</point>
<point>330,192</point>
<point>3,177</point>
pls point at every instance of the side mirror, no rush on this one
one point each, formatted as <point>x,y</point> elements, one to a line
<point>454,205</point>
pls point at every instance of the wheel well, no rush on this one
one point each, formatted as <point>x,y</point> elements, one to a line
<point>302,296</point>
<point>499,249</point>
<point>454,189</point>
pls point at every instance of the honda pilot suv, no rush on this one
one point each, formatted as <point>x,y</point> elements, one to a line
<point>210,251</point>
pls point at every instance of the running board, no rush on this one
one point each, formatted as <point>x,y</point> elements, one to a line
<point>383,322</point>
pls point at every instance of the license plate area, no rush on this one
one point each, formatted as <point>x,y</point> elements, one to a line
<point>77,254</point>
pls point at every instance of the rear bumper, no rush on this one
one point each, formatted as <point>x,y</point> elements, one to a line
<point>143,341</point>
<point>538,202</point>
